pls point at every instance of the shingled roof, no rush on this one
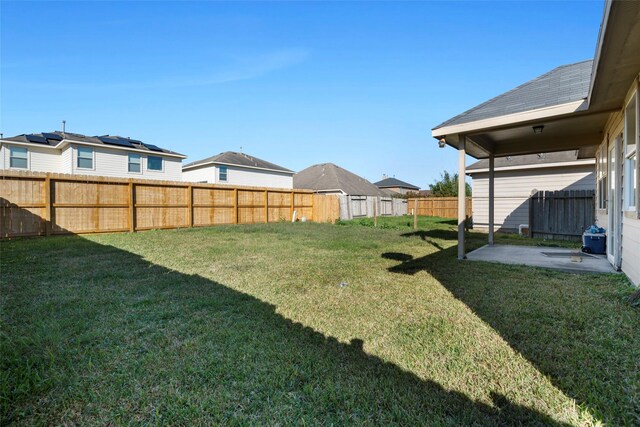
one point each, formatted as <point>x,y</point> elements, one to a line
<point>526,161</point>
<point>238,159</point>
<point>56,138</point>
<point>561,85</point>
<point>393,183</point>
<point>327,176</point>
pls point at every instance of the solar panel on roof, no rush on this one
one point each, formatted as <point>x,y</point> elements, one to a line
<point>37,139</point>
<point>115,141</point>
<point>53,136</point>
<point>152,147</point>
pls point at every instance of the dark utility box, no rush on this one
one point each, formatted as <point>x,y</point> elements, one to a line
<point>594,243</point>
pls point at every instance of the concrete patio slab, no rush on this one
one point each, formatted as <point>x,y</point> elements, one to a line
<point>571,260</point>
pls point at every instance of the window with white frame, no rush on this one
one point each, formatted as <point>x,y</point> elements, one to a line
<point>85,158</point>
<point>18,157</point>
<point>601,176</point>
<point>134,163</point>
<point>154,163</point>
<point>631,154</point>
<point>222,173</point>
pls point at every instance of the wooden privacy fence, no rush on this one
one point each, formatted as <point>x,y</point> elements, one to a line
<point>44,204</point>
<point>561,214</point>
<point>444,207</point>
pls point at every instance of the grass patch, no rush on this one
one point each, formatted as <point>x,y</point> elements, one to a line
<point>248,325</point>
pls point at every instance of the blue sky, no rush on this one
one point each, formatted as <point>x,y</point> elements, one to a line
<point>295,83</point>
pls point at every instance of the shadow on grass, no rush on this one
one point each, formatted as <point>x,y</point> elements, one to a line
<point>581,334</point>
<point>434,234</point>
<point>113,338</point>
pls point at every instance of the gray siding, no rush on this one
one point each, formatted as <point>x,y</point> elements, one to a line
<point>631,248</point>
<point>513,188</point>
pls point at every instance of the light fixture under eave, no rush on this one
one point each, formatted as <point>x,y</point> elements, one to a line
<point>538,128</point>
<point>442,143</point>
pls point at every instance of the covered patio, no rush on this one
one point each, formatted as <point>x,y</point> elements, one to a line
<point>565,109</point>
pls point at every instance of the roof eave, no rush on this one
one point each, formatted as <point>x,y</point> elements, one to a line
<point>598,55</point>
<point>66,142</point>
<point>397,186</point>
<point>510,119</point>
<point>192,166</point>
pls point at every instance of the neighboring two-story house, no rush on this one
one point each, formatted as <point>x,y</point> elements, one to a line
<point>71,153</point>
<point>238,169</point>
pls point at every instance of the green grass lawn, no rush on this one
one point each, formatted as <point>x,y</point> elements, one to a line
<point>247,325</point>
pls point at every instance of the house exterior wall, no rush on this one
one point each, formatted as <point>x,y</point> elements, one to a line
<point>115,163</point>
<point>630,229</point>
<point>202,174</point>
<point>631,248</point>
<point>106,162</point>
<point>39,159</point>
<point>66,160</point>
<point>513,188</point>
<point>240,176</point>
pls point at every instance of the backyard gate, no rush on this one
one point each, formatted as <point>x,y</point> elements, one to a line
<point>561,215</point>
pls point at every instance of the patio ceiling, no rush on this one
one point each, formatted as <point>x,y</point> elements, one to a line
<point>580,131</point>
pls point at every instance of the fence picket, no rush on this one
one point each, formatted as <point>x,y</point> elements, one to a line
<point>561,214</point>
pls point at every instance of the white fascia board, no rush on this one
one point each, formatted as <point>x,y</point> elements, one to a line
<point>66,142</point>
<point>525,116</point>
<point>584,162</point>
<point>236,166</point>
<point>29,144</point>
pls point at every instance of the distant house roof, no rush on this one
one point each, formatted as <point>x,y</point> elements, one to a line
<point>330,177</point>
<point>561,85</point>
<point>530,161</point>
<point>393,183</point>
<point>57,139</point>
<point>238,159</point>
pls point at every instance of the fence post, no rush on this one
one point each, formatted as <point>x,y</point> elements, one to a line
<point>415,214</point>
<point>531,202</point>
<point>375,214</point>
<point>48,206</point>
<point>190,205</point>
<point>291,207</point>
<point>312,207</point>
<point>96,209</point>
<point>235,205</point>
<point>132,206</point>
<point>266,206</point>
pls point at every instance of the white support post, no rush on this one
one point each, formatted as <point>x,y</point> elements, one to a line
<point>462,197</point>
<point>491,196</point>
